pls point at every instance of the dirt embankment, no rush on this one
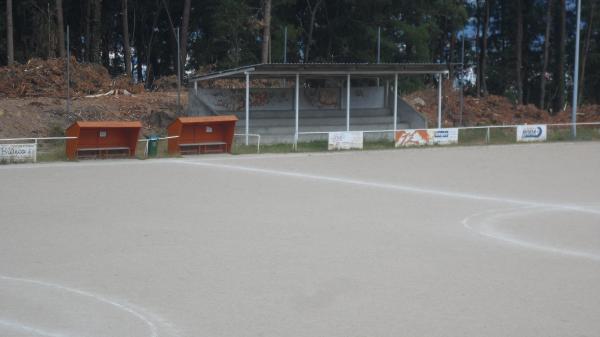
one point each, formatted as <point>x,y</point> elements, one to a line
<point>46,78</point>
<point>490,110</point>
<point>33,99</point>
<point>43,116</point>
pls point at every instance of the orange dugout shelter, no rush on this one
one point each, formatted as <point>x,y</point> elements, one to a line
<point>201,134</point>
<point>102,139</point>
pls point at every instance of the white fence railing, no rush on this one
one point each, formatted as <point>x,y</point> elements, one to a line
<point>487,138</point>
<point>10,148</point>
<point>147,141</point>
<point>253,135</point>
<point>30,140</point>
<point>488,129</point>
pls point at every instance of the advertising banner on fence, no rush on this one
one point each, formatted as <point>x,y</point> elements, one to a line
<point>16,153</point>
<point>443,136</point>
<point>345,140</point>
<point>532,133</point>
<point>421,137</point>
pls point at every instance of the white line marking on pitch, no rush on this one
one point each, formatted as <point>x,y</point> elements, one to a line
<point>394,187</point>
<point>16,326</point>
<point>123,307</point>
<point>90,163</point>
<point>481,220</point>
<point>441,193</point>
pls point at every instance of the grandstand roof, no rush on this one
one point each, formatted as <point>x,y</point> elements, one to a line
<point>291,69</point>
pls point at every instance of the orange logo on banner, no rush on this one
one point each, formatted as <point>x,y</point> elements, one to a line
<point>412,137</point>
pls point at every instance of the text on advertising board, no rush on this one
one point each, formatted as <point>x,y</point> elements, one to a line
<point>345,140</point>
<point>12,153</point>
<point>532,133</point>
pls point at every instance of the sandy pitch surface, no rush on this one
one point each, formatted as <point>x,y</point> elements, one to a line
<point>459,241</point>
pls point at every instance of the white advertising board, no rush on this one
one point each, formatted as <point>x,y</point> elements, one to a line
<point>411,137</point>
<point>16,153</point>
<point>443,136</point>
<point>532,133</point>
<point>345,140</point>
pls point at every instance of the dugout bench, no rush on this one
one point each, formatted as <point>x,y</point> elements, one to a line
<point>102,139</point>
<point>198,135</point>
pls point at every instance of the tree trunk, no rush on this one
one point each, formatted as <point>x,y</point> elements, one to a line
<point>484,47</point>
<point>149,60</point>
<point>10,50</point>
<point>313,16</point>
<point>559,102</point>
<point>95,55</point>
<point>50,30</point>
<point>173,58</point>
<point>519,49</point>
<point>478,43</point>
<point>88,29</point>
<point>126,46</point>
<point>546,55</point>
<point>266,43</point>
<point>183,38</point>
<point>60,31</point>
<point>451,57</point>
<point>138,68</point>
<point>105,45</point>
<point>586,50</point>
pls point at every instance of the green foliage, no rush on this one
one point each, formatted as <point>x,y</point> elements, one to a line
<point>56,131</point>
<point>228,33</point>
<point>2,34</point>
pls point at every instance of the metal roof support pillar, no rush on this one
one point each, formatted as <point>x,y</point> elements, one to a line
<point>196,87</point>
<point>386,94</point>
<point>348,104</point>
<point>178,75</point>
<point>576,75</point>
<point>68,61</point>
<point>395,103</point>
<point>439,101</point>
<point>247,106</point>
<point>297,109</point>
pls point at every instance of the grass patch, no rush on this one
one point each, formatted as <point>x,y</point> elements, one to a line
<point>584,133</point>
<point>303,147</point>
<point>472,137</point>
<point>379,145</point>
<point>162,150</point>
<point>503,136</point>
<point>315,146</point>
<point>51,151</point>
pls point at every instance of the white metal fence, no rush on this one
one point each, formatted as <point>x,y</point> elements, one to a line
<point>489,133</point>
<point>146,142</point>
<point>30,149</point>
<point>250,135</point>
<point>54,147</point>
<point>37,142</point>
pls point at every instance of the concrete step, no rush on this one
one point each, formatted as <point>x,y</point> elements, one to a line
<point>289,138</point>
<point>267,130</point>
<point>283,134</point>
<point>272,114</point>
<point>316,121</point>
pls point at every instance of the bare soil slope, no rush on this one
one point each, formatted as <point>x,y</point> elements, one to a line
<point>33,99</point>
<point>490,110</point>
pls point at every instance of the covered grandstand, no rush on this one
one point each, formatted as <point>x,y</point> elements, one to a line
<point>310,98</point>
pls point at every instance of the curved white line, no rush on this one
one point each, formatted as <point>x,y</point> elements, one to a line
<point>16,326</point>
<point>126,308</point>
<point>495,234</point>
<point>524,204</point>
